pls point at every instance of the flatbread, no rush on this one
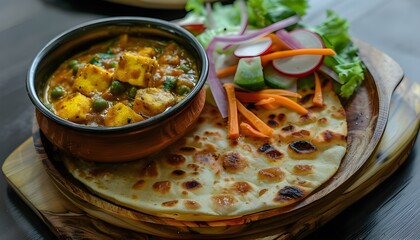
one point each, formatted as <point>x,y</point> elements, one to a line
<point>205,176</point>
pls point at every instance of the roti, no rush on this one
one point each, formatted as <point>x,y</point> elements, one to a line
<point>206,176</point>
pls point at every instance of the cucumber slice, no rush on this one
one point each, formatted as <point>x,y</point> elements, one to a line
<point>274,79</point>
<point>249,74</point>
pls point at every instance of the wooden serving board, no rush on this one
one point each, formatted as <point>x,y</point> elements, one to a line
<point>25,172</point>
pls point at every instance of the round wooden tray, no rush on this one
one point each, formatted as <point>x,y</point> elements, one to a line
<point>367,114</point>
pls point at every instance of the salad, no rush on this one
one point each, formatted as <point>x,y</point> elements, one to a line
<point>263,44</point>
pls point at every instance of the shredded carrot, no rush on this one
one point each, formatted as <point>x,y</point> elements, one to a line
<point>254,120</point>
<point>295,52</point>
<point>265,101</point>
<point>278,44</point>
<point>233,128</point>
<point>268,103</point>
<point>248,130</point>
<point>283,101</point>
<point>270,106</point>
<point>281,92</point>
<point>317,100</point>
<point>226,72</point>
<point>229,71</point>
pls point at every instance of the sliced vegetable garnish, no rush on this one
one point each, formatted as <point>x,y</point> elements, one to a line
<point>195,28</point>
<point>287,38</point>
<point>278,44</point>
<point>265,59</point>
<point>283,101</point>
<point>259,33</point>
<point>254,48</point>
<point>244,21</point>
<point>265,101</point>
<point>249,74</point>
<point>233,128</point>
<point>327,70</point>
<point>226,72</point>
<point>254,120</point>
<point>296,52</point>
<point>244,16</point>
<point>210,18</point>
<point>214,82</point>
<point>281,92</point>
<point>274,79</point>
<point>268,29</point>
<point>300,66</point>
<point>317,100</point>
<point>248,130</point>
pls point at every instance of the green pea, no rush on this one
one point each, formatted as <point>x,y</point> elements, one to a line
<point>132,92</point>
<point>72,64</point>
<point>75,69</point>
<point>95,61</point>
<point>99,104</point>
<point>57,92</point>
<point>117,87</point>
<point>182,90</point>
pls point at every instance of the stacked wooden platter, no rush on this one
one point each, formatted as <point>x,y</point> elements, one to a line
<point>371,157</point>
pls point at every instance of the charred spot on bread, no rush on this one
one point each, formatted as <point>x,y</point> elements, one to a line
<point>191,185</point>
<point>289,193</point>
<point>302,147</point>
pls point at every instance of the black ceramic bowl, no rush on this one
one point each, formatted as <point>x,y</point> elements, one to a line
<point>122,143</point>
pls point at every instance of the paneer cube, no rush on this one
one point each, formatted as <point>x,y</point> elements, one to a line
<point>92,79</point>
<point>152,101</point>
<point>74,107</point>
<point>147,52</point>
<point>120,114</point>
<point>135,69</point>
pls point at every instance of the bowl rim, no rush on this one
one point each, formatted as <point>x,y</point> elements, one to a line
<point>163,25</point>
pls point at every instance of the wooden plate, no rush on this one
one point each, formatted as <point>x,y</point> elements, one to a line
<point>367,114</point>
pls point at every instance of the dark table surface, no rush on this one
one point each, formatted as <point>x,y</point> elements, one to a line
<point>391,211</point>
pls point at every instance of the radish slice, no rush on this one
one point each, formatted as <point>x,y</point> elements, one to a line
<point>290,41</point>
<point>195,28</point>
<point>300,66</point>
<point>253,48</point>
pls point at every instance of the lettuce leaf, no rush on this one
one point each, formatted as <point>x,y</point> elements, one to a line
<point>347,64</point>
<point>265,12</point>
<point>195,6</point>
<point>226,15</point>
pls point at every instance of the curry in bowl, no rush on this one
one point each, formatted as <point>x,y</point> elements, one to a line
<point>120,81</point>
<point>118,89</point>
